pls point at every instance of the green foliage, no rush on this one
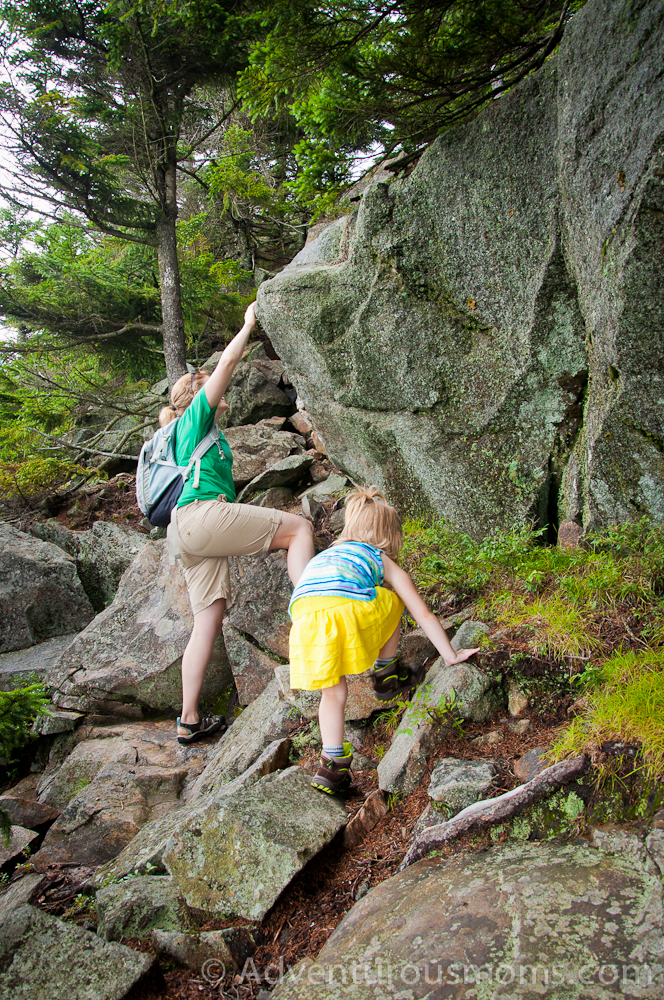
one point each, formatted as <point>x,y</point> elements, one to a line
<point>628,704</point>
<point>445,712</point>
<point>18,710</point>
<point>392,74</point>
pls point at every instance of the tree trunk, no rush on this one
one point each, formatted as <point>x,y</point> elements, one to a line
<point>175,352</point>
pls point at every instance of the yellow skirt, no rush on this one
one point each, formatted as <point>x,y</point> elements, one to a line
<point>334,636</point>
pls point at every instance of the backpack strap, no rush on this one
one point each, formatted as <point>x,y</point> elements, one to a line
<point>212,437</point>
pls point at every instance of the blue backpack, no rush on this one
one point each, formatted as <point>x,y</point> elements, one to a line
<point>160,480</point>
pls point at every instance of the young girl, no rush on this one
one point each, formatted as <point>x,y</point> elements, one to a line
<point>346,622</point>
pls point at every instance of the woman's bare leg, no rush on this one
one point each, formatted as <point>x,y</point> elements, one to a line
<point>195,659</point>
<point>296,534</point>
<point>331,714</point>
<point>390,648</point>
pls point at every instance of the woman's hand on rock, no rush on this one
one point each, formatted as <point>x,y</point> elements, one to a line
<point>462,655</point>
<point>250,316</point>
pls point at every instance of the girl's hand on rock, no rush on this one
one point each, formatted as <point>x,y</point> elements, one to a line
<point>462,655</point>
<point>250,315</point>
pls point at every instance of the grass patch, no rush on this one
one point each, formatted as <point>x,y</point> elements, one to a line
<point>627,704</point>
<point>565,622</point>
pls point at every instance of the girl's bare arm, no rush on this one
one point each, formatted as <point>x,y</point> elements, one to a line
<point>403,586</point>
<point>218,381</point>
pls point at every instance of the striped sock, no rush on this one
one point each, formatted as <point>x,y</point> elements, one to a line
<point>334,751</point>
<point>379,664</point>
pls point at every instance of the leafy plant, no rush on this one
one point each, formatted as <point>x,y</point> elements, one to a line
<point>18,710</point>
<point>446,712</point>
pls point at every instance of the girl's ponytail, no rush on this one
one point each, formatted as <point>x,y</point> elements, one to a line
<point>166,414</point>
<point>371,519</point>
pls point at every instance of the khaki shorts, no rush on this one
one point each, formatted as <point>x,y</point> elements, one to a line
<point>209,532</point>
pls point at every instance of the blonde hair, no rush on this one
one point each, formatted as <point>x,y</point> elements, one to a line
<point>371,519</point>
<point>182,393</point>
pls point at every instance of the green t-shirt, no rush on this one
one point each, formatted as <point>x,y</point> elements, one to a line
<point>216,476</point>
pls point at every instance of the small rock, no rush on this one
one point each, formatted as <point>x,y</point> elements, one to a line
<point>517,701</point>
<point>469,634</point>
<point>284,473</point>
<point>19,840</point>
<point>569,535</point>
<point>136,906</point>
<point>373,810</point>
<point>157,533</point>
<point>457,783</point>
<point>310,506</point>
<point>579,706</point>
<point>362,891</point>
<point>20,891</point>
<point>489,739</point>
<point>430,816</point>
<point>278,497</point>
<point>57,721</point>
<point>531,764</point>
<point>301,421</point>
<point>337,521</point>
<point>319,444</point>
<point>28,812</point>
<point>230,946</point>
<point>519,726</point>
<point>332,484</point>
<point>318,472</point>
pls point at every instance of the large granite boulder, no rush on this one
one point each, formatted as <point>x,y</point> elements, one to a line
<point>517,921</point>
<point>43,958</point>
<point>101,554</point>
<point>483,337</point>
<point>104,553</point>
<point>40,594</point>
<point>130,655</point>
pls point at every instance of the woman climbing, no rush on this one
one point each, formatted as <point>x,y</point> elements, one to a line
<point>346,622</point>
<point>211,527</point>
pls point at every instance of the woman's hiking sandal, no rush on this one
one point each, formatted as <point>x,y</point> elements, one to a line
<point>333,777</point>
<point>394,679</point>
<point>206,726</point>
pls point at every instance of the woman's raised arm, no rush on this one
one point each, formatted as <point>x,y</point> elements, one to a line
<point>216,385</point>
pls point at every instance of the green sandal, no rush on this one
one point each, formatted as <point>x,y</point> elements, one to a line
<point>206,726</point>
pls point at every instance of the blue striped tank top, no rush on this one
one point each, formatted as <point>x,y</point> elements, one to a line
<point>351,569</point>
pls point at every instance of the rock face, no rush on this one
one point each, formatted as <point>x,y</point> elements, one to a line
<point>23,666</point>
<point>101,554</point>
<point>256,391</point>
<point>483,337</point>
<point>135,907</point>
<point>104,553</point>
<point>43,958</point>
<point>256,447</point>
<point>519,922</point>
<point>111,785</point>
<point>234,856</point>
<point>40,596</point>
<point>403,765</point>
<point>130,655</point>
